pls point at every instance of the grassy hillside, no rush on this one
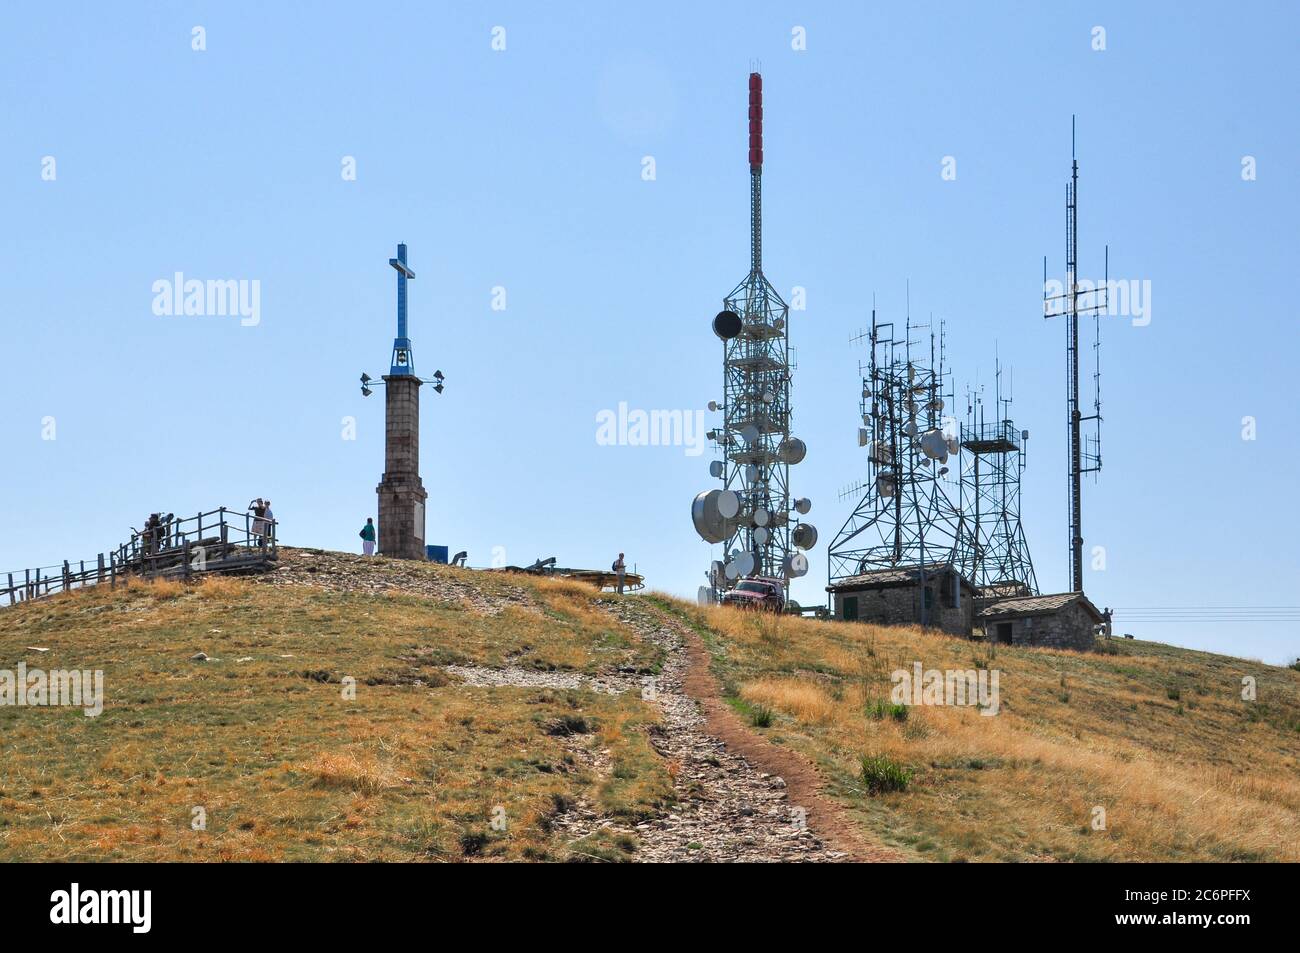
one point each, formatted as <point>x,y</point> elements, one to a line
<point>1158,737</point>
<point>418,764</point>
<point>285,767</point>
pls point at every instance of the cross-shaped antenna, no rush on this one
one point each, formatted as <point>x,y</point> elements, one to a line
<point>403,361</point>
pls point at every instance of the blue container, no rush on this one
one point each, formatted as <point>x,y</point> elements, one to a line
<point>436,554</point>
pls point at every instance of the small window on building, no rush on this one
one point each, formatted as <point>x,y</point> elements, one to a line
<point>1004,632</point>
<point>850,604</point>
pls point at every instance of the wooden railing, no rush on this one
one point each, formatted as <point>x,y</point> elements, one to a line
<point>220,540</point>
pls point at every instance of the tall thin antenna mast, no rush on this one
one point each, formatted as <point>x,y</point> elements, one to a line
<point>1078,298</point>
<point>753,514</point>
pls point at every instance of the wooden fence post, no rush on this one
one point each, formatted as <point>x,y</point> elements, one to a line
<point>11,589</point>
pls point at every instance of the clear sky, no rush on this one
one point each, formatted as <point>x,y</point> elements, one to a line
<point>523,169</point>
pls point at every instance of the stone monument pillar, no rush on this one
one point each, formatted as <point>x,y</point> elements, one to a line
<point>401,494</point>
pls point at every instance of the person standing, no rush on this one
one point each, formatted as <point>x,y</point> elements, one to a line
<point>368,536</point>
<point>620,570</point>
<point>258,509</point>
<point>268,522</point>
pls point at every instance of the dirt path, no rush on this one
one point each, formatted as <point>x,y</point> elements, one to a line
<point>739,797</point>
<point>752,755</point>
<point>802,780</point>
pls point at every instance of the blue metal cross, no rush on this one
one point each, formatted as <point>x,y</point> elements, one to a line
<point>403,361</point>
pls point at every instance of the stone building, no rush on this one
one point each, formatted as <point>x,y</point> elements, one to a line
<point>937,596</point>
<point>1065,620</point>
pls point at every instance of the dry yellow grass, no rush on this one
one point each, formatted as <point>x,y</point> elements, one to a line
<point>1157,737</point>
<point>346,770</point>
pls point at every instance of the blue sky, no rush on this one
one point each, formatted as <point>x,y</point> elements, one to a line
<point>522,169</point>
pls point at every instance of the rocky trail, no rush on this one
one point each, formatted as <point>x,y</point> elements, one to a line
<point>729,807</point>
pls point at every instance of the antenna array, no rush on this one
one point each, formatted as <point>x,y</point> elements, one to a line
<point>907,516</point>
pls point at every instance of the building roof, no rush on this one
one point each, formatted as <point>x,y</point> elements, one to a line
<point>894,576</point>
<point>1021,606</point>
<point>1006,589</point>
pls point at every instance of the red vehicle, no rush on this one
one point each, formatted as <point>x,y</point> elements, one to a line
<point>761,592</point>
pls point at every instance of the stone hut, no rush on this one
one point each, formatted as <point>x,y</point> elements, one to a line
<point>936,595</point>
<point>1064,620</point>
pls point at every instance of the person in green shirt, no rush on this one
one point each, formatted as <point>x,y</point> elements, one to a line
<point>368,536</point>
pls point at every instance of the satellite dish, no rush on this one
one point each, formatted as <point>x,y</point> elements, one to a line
<point>713,405</point>
<point>943,471</point>
<point>750,433</point>
<point>709,516</point>
<point>732,570</point>
<point>866,393</point>
<point>925,461</point>
<point>909,428</point>
<point>768,397</point>
<point>936,404</point>
<point>727,325</point>
<point>744,564</point>
<point>792,450</point>
<point>715,468</point>
<point>885,485</point>
<point>760,536</point>
<point>804,536</point>
<point>1024,435</point>
<point>933,445</point>
<point>952,444</point>
<point>728,504</point>
<point>751,473</point>
<point>779,323</point>
<point>704,596</point>
<point>863,437</point>
<point>802,505</point>
<point>717,569</point>
<point>762,517</point>
<point>796,565</point>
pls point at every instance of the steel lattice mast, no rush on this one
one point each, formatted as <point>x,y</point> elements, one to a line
<point>752,513</point>
<point>906,516</point>
<point>996,558</point>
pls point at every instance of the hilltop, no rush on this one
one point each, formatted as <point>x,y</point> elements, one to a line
<point>506,716</point>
